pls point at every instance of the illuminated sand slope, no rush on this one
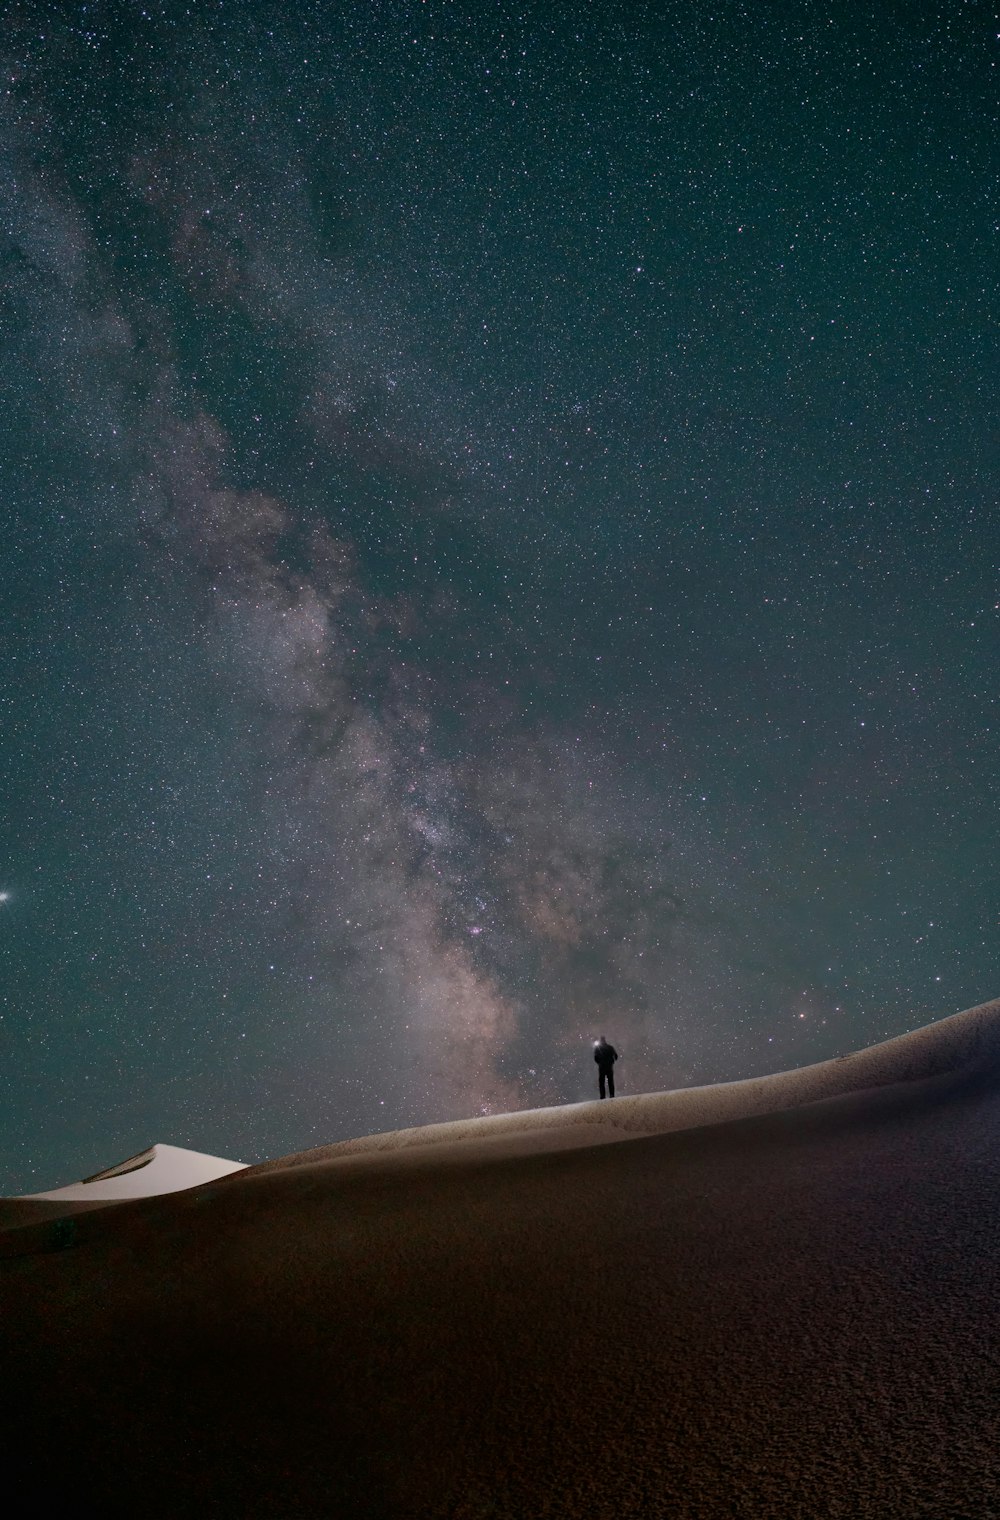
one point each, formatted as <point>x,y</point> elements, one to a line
<point>792,1313</point>
<point>153,1172</point>
<point>160,1169</point>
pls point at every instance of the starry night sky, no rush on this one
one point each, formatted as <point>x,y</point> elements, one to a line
<point>500,543</point>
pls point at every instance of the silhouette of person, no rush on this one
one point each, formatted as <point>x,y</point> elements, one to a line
<point>605,1055</point>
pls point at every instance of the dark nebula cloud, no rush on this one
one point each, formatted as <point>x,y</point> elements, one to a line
<point>501,549</point>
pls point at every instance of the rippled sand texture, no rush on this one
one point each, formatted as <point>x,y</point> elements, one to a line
<point>791,1314</point>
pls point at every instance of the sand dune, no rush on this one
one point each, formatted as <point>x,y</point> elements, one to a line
<point>160,1169</point>
<point>954,1046</point>
<point>791,1313</point>
<point>150,1173</point>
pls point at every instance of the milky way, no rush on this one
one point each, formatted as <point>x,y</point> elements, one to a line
<point>501,548</point>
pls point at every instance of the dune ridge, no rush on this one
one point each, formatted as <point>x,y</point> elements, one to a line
<point>962,1045</point>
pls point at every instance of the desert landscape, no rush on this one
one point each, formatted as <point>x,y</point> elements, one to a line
<point>776,1298</point>
<point>500,545</point>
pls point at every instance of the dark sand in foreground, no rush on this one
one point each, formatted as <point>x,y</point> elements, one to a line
<point>795,1314</point>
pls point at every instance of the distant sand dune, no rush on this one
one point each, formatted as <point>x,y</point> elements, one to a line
<point>159,1169</point>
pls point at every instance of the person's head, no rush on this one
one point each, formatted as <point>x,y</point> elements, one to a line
<point>601,1040</point>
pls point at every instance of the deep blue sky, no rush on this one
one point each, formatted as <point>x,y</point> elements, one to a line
<point>500,546</point>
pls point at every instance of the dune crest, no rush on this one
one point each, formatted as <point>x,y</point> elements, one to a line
<point>963,1045</point>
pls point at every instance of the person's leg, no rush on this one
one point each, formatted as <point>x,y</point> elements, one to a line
<point>611,1082</point>
<point>600,1080</point>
